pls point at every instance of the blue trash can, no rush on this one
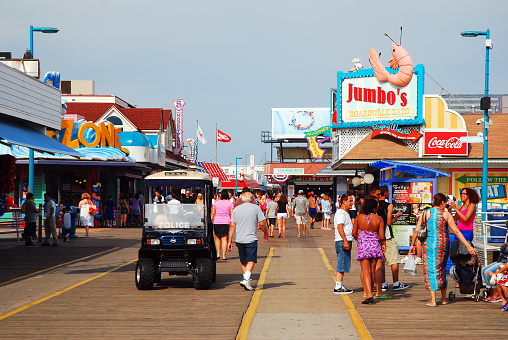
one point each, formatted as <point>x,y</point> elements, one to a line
<point>501,216</point>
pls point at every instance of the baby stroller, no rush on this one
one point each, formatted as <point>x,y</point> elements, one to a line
<point>466,271</point>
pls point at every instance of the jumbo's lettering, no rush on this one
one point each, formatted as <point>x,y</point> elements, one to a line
<point>375,95</point>
<point>105,135</point>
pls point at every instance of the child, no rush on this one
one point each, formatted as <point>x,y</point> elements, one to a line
<point>67,223</point>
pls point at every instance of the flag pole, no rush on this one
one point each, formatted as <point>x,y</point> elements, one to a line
<point>216,139</point>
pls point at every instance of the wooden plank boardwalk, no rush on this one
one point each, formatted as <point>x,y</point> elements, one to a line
<point>110,306</point>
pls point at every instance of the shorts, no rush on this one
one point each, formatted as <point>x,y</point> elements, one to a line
<point>392,252</point>
<point>282,215</point>
<point>312,212</point>
<point>301,219</point>
<point>221,229</point>
<point>30,229</point>
<point>343,256</point>
<point>327,216</point>
<point>272,221</point>
<point>353,213</point>
<point>248,252</point>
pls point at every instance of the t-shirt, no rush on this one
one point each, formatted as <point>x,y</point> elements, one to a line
<point>327,207</point>
<point>67,220</point>
<point>157,199</point>
<point>47,208</point>
<point>270,209</point>
<point>222,211</point>
<point>174,206</point>
<point>188,200</point>
<point>382,212</point>
<point>342,217</point>
<point>300,204</point>
<point>282,207</point>
<point>246,217</point>
<point>30,212</point>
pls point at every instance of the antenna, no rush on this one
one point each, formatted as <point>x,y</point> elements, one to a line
<point>400,35</point>
<point>390,38</point>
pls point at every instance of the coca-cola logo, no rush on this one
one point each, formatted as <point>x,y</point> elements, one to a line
<point>450,143</point>
<point>446,143</point>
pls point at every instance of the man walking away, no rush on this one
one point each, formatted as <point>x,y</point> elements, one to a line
<point>246,219</point>
<point>312,209</point>
<point>343,242</point>
<point>271,209</point>
<point>392,250</point>
<point>301,211</point>
<point>50,221</point>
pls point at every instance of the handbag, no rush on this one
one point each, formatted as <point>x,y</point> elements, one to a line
<point>422,230</point>
<point>410,266</point>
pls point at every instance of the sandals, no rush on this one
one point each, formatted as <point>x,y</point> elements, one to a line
<point>429,305</point>
<point>384,296</point>
<point>368,301</point>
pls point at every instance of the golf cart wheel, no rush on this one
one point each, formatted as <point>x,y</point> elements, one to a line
<point>145,274</point>
<point>451,296</point>
<point>204,274</point>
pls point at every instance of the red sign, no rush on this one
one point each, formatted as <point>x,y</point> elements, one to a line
<point>395,132</point>
<point>445,143</point>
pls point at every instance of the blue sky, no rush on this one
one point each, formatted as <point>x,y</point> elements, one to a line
<point>232,61</point>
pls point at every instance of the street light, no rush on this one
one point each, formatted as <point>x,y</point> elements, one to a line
<point>31,155</point>
<point>485,106</point>
<point>236,174</point>
<point>42,30</point>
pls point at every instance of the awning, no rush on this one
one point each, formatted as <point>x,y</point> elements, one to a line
<point>17,134</point>
<point>328,171</point>
<point>413,169</point>
<point>246,183</point>
<point>213,170</point>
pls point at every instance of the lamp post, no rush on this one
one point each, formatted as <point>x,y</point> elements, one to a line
<point>236,174</point>
<point>31,153</point>
<point>485,106</point>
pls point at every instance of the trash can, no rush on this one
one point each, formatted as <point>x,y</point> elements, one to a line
<point>500,215</point>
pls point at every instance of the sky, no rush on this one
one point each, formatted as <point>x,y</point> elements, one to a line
<point>234,60</point>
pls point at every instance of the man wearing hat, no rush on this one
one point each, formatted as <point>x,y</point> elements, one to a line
<point>301,211</point>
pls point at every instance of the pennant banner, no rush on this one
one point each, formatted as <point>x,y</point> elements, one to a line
<point>280,178</point>
<point>222,137</point>
<point>201,136</point>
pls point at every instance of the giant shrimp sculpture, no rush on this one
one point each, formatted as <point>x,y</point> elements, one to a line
<point>401,60</point>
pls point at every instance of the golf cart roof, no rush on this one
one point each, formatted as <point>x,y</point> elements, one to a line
<point>182,178</point>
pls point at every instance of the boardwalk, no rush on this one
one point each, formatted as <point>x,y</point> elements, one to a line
<point>86,289</point>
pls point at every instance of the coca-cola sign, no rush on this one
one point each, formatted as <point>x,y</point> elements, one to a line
<point>444,143</point>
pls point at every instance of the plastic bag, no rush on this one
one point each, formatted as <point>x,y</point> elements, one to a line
<point>410,266</point>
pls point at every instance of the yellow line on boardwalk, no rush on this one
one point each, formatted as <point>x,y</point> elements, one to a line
<point>25,307</point>
<point>353,313</point>
<point>243,332</point>
<point>54,267</point>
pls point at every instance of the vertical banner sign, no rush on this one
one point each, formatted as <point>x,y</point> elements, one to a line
<point>179,103</point>
<point>252,164</point>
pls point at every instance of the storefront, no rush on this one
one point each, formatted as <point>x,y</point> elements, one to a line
<point>378,118</point>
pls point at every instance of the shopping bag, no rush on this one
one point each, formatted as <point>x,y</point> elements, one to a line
<point>410,266</point>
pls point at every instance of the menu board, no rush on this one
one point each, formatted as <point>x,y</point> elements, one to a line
<point>408,198</point>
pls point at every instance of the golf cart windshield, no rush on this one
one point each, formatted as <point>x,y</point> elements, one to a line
<point>174,215</point>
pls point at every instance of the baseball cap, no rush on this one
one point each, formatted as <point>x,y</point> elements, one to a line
<point>300,191</point>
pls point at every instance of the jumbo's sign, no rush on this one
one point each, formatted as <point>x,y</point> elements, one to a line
<point>364,101</point>
<point>444,143</point>
<point>89,135</point>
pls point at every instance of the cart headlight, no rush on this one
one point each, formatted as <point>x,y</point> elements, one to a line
<point>193,241</point>
<point>153,241</point>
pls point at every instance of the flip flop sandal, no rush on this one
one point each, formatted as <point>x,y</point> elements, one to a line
<point>429,305</point>
<point>383,297</point>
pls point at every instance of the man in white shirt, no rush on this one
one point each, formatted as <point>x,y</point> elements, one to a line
<point>343,242</point>
<point>50,221</point>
